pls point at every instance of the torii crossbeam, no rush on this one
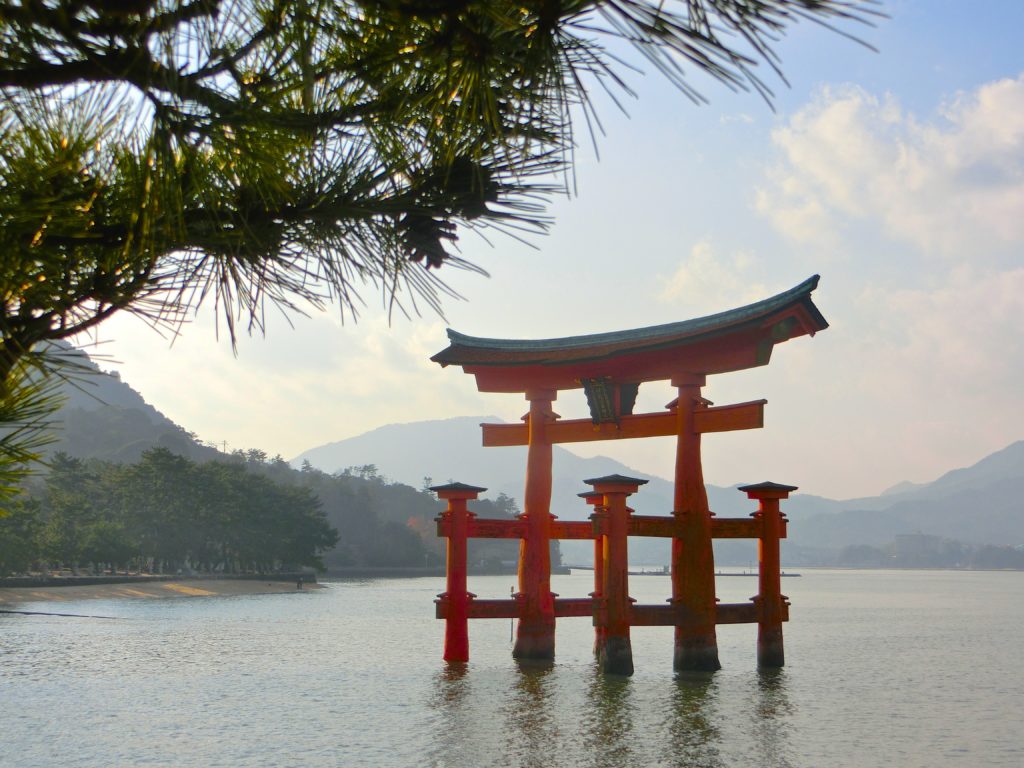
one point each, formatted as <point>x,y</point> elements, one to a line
<point>610,367</point>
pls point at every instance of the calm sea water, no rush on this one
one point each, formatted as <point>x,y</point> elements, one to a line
<point>885,669</point>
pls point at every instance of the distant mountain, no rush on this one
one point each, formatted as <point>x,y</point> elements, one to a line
<point>450,449</point>
<point>995,468</point>
<point>105,418</point>
<point>977,504</point>
<point>903,487</point>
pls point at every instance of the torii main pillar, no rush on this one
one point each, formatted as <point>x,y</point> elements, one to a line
<point>693,559</point>
<point>535,634</point>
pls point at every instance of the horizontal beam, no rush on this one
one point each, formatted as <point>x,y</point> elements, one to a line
<point>510,609</point>
<point>655,616</point>
<point>486,528</point>
<point>640,615</point>
<point>736,613</point>
<point>676,615</point>
<point>721,527</point>
<point>723,418</point>
<point>729,418</point>
<point>736,528</point>
<point>657,526</point>
<point>572,529</point>
<point>652,525</point>
<point>574,606</point>
<point>481,609</point>
<point>494,609</point>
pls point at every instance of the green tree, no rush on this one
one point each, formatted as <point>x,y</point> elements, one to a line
<point>160,499</point>
<point>107,542</point>
<point>19,532</point>
<point>73,503</point>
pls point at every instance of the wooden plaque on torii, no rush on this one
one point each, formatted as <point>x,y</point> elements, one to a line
<point>610,367</point>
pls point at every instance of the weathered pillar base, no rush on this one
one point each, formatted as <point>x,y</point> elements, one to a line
<point>456,627</point>
<point>456,647</point>
<point>698,654</point>
<point>616,657</point>
<point>770,650</point>
<point>534,641</point>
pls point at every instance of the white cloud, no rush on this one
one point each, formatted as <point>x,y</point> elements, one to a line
<point>707,281</point>
<point>739,117</point>
<point>950,185</point>
<point>961,337</point>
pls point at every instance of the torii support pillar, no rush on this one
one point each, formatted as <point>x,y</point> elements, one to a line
<point>597,518</point>
<point>456,598</point>
<point>770,600</point>
<point>616,656</point>
<point>535,634</point>
<point>693,559</point>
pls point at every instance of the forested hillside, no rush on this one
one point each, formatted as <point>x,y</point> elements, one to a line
<point>242,513</point>
<point>126,486</point>
<point>386,524</point>
<point>163,514</point>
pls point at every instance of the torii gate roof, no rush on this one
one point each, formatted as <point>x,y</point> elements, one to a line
<point>727,341</point>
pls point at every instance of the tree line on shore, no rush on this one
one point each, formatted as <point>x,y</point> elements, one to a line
<point>386,524</point>
<point>244,513</point>
<point>162,514</point>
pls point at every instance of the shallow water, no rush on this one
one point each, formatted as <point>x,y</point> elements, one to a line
<point>884,668</point>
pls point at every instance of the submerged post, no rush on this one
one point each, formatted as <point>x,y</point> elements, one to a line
<point>535,635</point>
<point>693,559</point>
<point>453,605</point>
<point>597,518</point>
<point>616,656</point>
<point>770,600</point>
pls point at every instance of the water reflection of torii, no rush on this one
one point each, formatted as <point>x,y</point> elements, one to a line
<point>610,368</point>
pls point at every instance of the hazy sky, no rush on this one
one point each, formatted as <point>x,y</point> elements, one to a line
<point>898,176</point>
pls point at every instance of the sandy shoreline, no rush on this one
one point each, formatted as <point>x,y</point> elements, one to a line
<point>12,596</point>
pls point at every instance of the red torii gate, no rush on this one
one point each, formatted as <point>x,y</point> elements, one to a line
<point>610,367</point>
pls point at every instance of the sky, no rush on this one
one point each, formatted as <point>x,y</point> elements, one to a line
<point>897,175</point>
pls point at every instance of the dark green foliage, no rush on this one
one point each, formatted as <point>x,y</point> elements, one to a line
<point>74,501</point>
<point>380,524</point>
<point>244,514</point>
<point>19,536</point>
<point>383,524</point>
<point>164,513</point>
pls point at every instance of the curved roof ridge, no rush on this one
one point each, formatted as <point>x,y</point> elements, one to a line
<point>800,293</point>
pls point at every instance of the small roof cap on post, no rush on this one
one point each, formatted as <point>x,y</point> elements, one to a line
<point>616,480</point>
<point>457,490</point>
<point>767,490</point>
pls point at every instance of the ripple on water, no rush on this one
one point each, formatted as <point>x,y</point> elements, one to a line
<point>879,674</point>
